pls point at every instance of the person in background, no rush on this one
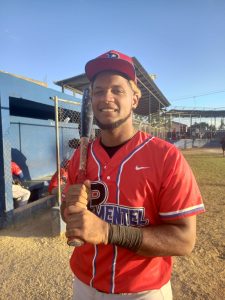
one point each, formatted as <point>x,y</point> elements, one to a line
<point>222,142</point>
<point>138,207</point>
<point>53,185</point>
<point>21,195</point>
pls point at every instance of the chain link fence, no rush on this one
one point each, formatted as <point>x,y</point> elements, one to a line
<point>7,157</point>
<point>158,129</point>
<point>67,124</point>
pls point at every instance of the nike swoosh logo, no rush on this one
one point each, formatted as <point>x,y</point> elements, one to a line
<point>137,168</point>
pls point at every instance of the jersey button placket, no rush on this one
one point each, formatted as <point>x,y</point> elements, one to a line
<point>106,173</point>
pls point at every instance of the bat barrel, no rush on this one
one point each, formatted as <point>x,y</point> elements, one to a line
<point>86,115</point>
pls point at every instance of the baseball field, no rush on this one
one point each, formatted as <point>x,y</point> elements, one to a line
<point>34,265</point>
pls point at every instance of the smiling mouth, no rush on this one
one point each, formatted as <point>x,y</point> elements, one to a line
<point>108,110</point>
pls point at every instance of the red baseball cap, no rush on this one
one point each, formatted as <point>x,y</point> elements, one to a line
<point>111,61</point>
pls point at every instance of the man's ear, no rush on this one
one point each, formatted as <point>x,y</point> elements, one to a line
<point>135,101</point>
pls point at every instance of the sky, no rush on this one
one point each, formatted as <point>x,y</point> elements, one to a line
<point>181,42</point>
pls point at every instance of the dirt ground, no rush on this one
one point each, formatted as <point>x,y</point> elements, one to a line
<point>34,265</point>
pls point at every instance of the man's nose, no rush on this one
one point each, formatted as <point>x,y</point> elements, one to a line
<point>108,96</point>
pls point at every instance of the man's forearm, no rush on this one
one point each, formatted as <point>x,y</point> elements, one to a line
<point>168,240</point>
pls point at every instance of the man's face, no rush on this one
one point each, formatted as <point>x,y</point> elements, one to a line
<point>113,100</point>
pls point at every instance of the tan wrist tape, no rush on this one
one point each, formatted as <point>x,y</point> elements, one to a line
<point>124,236</point>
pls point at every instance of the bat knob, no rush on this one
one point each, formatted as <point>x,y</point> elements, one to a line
<point>75,242</point>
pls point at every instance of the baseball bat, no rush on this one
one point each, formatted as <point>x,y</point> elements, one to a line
<point>86,121</point>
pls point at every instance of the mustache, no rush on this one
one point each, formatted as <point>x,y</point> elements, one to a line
<point>113,125</point>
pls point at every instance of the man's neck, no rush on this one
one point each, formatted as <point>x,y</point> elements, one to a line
<point>116,136</point>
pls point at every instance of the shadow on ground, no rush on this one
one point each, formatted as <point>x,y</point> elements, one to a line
<point>42,224</point>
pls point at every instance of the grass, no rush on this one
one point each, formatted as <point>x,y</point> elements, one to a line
<point>201,275</point>
<point>209,169</point>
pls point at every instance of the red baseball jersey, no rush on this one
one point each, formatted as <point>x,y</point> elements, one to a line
<point>54,180</point>
<point>15,169</point>
<point>145,182</point>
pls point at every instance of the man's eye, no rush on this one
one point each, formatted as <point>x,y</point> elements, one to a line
<point>98,93</point>
<point>118,91</point>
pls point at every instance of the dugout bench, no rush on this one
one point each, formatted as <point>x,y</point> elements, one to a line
<point>38,189</point>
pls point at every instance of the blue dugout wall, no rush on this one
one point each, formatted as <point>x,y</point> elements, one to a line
<point>33,146</point>
<point>27,132</point>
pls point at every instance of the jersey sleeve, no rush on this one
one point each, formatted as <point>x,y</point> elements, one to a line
<point>179,194</point>
<point>53,182</point>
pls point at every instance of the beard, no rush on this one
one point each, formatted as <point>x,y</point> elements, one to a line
<point>113,125</point>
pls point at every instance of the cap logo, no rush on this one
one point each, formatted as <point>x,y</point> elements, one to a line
<point>112,55</point>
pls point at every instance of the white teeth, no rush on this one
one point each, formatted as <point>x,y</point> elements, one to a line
<point>107,109</point>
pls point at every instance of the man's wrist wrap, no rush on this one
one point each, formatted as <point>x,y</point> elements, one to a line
<point>124,236</point>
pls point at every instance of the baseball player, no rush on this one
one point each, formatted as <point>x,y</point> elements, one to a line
<point>53,185</point>
<point>142,197</point>
<point>20,194</point>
